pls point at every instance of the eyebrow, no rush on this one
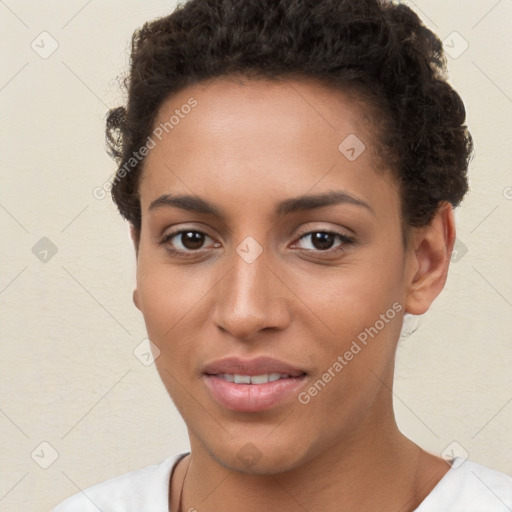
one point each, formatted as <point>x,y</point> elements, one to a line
<point>291,205</point>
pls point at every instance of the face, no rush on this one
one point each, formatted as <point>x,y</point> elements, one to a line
<point>267,250</point>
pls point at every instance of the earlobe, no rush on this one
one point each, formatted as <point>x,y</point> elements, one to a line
<point>429,260</point>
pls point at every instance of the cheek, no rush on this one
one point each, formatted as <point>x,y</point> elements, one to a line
<point>171,305</point>
<point>350,298</point>
<point>167,295</point>
<point>362,307</point>
<point>357,361</point>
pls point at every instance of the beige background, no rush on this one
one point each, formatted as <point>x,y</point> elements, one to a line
<point>68,374</point>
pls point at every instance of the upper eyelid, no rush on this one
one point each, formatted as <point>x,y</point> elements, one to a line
<point>326,230</point>
<point>169,232</point>
<point>172,234</point>
<point>205,230</point>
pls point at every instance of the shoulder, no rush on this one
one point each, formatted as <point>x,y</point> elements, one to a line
<point>470,487</point>
<point>142,489</point>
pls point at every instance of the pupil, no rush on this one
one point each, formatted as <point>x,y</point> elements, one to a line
<point>323,240</point>
<point>192,239</point>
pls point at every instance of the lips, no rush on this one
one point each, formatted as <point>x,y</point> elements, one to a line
<point>252,385</point>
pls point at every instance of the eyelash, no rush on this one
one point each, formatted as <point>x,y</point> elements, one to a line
<point>346,241</point>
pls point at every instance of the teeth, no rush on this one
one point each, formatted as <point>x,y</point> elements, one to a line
<point>242,379</point>
<point>253,379</point>
<point>259,379</point>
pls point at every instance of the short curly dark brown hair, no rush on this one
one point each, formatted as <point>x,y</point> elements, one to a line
<point>377,48</point>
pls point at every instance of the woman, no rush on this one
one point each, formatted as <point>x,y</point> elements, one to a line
<point>289,172</point>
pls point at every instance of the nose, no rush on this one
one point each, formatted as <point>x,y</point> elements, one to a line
<point>251,298</point>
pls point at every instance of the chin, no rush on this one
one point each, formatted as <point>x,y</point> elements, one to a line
<point>258,457</point>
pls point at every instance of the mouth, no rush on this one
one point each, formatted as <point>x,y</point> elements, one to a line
<point>252,385</point>
<point>253,379</point>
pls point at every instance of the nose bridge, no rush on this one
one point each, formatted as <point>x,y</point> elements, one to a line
<point>250,299</point>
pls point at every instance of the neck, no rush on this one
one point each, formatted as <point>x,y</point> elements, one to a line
<point>371,469</point>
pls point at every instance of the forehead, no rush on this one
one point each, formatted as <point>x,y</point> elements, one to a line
<point>245,135</point>
<point>228,103</point>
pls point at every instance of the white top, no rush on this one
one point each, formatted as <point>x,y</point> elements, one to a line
<point>466,487</point>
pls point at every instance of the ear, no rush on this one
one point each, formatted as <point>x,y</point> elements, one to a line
<point>135,236</point>
<point>428,259</point>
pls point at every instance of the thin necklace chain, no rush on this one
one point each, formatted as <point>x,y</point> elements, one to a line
<point>182,487</point>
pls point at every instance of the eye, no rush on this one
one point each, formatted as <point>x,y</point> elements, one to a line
<point>324,241</point>
<point>188,241</point>
<point>185,241</point>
